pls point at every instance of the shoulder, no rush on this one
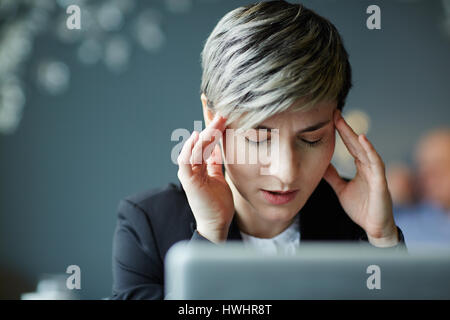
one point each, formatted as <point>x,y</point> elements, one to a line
<point>161,215</point>
<point>172,195</point>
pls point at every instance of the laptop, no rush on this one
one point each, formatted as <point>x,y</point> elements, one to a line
<point>203,270</point>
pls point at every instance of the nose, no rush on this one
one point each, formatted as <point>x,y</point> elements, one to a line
<point>285,163</point>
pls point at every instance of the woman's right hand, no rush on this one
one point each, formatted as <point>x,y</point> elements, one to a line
<point>200,173</point>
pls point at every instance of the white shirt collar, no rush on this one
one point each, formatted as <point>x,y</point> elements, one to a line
<point>285,242</point>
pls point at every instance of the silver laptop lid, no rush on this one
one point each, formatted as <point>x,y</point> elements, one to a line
<point>201,270</point>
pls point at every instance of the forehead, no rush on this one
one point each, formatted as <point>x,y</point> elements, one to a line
<point>318,112</point>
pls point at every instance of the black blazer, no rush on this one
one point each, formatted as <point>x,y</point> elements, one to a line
<point>150,223</point>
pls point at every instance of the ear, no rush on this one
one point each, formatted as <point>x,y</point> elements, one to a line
<point>208,114</point>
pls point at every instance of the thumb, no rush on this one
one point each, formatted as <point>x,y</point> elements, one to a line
<point>332,177</point>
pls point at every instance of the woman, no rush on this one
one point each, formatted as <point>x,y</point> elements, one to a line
<point>274,74</point>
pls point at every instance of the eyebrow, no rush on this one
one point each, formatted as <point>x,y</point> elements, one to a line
<point>314,127</point>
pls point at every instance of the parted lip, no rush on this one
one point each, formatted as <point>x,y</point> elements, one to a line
<point>281,192</point>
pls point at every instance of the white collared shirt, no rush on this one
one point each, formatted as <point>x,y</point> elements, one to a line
<point>285,243</point>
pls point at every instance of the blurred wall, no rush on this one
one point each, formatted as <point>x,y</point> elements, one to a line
<point>75,155</point>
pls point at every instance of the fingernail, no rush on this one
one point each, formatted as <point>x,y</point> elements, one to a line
<point>220,119</point>
<point>216,117</point>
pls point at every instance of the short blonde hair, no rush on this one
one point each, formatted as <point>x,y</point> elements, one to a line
<point>261,58</point>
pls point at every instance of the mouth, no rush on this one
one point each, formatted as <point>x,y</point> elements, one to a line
<point>279,197</point>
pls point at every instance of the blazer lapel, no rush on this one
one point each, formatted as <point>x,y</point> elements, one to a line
<point>234,232</point>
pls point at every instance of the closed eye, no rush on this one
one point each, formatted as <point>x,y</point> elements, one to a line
<point>312,143</point>
<point>258,136</point>
<point>256,142</point>
<point>309,143</point>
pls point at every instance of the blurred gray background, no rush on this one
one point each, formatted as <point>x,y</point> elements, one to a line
<point>95,109</point>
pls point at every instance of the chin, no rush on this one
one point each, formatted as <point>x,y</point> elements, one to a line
<point>278,213</point>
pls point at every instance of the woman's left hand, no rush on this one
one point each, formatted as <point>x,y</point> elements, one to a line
<point>365,198</point>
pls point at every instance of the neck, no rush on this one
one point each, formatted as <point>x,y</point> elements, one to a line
<point>249,221</point>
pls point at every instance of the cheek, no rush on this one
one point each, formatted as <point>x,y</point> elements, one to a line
<point>237,162</point>
<point>328,152</point>
<point>316,160</point>
<point>330,146</point>
<point>326,149</point>
<point>243,175</point>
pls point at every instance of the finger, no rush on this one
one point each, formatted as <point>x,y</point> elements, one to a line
<point>350,138</point>
<point>211,134</point>
<point>209,149</point>
<point>214,163</point>
<point>373,156</point>
<point>332,177</point>
<point>184,165</point>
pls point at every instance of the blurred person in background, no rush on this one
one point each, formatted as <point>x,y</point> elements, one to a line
<point>433,164</point>
<point>402,185</point>
<point>427,222</point>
